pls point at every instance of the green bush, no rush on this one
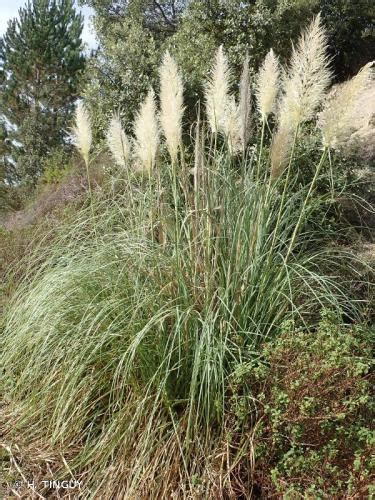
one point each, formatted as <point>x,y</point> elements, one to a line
<point>315,407</point>
<point>56,166</point>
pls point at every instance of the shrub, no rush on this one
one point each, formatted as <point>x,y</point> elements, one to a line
<point>315,410</point>
<point>56,166</point>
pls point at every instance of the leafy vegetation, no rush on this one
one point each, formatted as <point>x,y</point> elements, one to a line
<point>314,410</point>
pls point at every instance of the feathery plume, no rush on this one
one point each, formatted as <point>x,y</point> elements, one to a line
<point>362,143</point>
<point>245,104</point>
<point>117,141</point>
<point>267,86</point>
<point>82,135</point>
<point>231,126</point>
<point>308,77</point>
<point>349,109</point>
<point>146,132</point>
<point>304,88</point>
<point>280,151</point>
<point>171,104</point>
<point>217,91</point>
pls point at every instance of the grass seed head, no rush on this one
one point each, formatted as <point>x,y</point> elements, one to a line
<point>171,104</point>
<point>217,91</point>
<point>268,85</point>
<point>308,77</point>
<point>146,131</point>
<point>232,126</point>
<point>349,109</point>
<point>117,141</point>
<point>82,134</point>
<point>280,151</point>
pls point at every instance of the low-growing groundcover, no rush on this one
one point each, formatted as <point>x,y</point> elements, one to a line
<point>168,341</point>
<point>314,434</point>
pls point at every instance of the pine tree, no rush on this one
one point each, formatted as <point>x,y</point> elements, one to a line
<point>40,67</point>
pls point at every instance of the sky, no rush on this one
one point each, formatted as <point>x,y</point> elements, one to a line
<point>9,10</point>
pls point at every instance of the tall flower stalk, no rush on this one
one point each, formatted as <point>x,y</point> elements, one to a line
<point>146,144</point>
<point>267,89</point>
<point>244,106</point>
<point>171,104</point>
<point>146,132</point>
<point>120,147</point>
<point>171,115</point>
<point>217,92</point>
<point>304,89</point>
<point>82,137</point>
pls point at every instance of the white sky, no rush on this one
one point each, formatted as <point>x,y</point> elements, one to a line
<point>9,10</point>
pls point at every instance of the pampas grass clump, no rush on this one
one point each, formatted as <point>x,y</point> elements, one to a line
<point>121,356</point>
<point>124,353</point>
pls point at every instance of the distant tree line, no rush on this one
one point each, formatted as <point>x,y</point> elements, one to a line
<point>41,59</point>
<point>133,35</point>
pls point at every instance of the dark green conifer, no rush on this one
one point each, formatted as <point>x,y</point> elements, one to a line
<point>40,65</point>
